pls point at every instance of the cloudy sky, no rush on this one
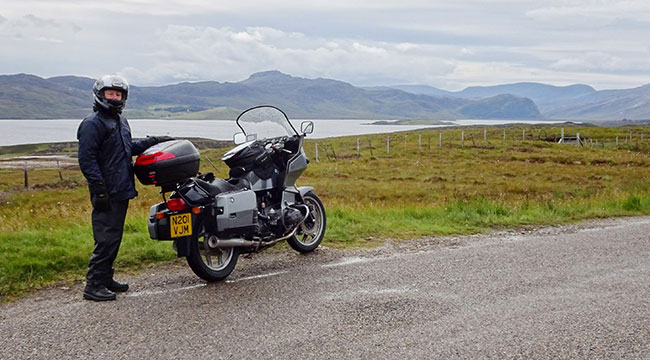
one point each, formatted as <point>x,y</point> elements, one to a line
<point>446,44</point>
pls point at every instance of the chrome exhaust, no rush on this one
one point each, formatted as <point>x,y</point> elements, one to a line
<point>228,243</point>
<point>215,243</point>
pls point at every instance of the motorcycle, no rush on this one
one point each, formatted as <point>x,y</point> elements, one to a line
<point>212,221</point>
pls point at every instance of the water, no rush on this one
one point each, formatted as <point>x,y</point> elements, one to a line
<point>14,132</point>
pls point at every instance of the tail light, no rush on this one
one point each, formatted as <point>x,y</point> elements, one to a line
<point>176,204</point>
<point>152,158</point>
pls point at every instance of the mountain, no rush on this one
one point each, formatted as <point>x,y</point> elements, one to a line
<point>425,90</point>
<point>28,96</point>
<point>573,102</point>
<point>540,93</point>
<point>605,105</point>
<point>499,107</point>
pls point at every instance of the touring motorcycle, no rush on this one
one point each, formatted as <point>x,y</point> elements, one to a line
<point>210,220</point>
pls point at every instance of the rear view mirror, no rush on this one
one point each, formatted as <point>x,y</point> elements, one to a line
<point>307,127</point>
<point>239,138</point>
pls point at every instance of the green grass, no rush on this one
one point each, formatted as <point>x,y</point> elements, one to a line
<point>45,233</point>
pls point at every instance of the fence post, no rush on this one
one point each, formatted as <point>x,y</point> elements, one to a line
<point>358,147</point>
<point>504,135</point>
<point>462,139</point>
<point>420,142</point>
<point>58,166</point>
<point>316,145</point>
<point>440,143</point>
<point>370,145</point>
<point>485,135</point>
<point>578,139</point>
<point>26,176</point>
<point>617,141</point>
<point>523,135</point>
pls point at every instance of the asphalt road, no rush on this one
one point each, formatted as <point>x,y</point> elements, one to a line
<point>561,292</point>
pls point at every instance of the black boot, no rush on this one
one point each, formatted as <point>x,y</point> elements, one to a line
<point>98,293</point>
<point>115,286</point>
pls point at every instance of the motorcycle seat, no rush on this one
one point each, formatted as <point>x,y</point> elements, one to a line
<point>217,186</point>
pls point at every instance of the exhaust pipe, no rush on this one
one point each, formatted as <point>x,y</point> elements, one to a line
<point>214,242</point>
<point>227,243</point>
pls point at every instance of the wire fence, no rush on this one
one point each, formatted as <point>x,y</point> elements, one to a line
<point>57,170</point>
<point>395,144</point>
<point>398,144</point>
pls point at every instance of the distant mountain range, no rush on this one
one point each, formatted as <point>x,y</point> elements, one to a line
<point>573,102</point>
<point>24,96</point>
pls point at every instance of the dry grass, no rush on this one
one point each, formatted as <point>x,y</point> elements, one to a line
<point>45,231</point>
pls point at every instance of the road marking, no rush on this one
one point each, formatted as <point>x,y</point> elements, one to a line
<point>349,261</point>
<point>349,295</point>
<point>256,277</point>
<point>395,291</point>
<point>158,292</point>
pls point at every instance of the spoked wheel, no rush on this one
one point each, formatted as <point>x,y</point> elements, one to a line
<point>211,264</point>
<point>311,231</point>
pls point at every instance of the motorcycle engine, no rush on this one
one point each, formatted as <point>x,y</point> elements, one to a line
<point>279,222</point>
<point>292,217</point>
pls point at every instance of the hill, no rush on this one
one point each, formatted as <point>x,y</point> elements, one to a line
<point>31,97</point>
<point>573,102</point>
<point>605,105</point>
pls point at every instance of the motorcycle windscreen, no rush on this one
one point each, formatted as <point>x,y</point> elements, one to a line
<point>265,122</point>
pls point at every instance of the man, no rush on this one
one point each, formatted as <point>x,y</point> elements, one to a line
<point>105,158</point>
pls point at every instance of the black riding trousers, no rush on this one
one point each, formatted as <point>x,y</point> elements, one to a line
<point>108,227</point>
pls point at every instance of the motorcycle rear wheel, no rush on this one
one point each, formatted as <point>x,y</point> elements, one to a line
<point>211,264</point>
<point>312,230</point>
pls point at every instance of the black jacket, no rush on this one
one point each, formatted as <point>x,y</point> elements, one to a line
<point>105,153</point>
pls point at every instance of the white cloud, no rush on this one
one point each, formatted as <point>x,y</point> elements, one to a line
<point>227,54</point>
<point>593,13</point>
<point>440,43</point>
<point>35,28</point>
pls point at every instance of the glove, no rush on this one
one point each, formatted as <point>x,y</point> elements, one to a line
<point>158,139</point>
<point>99,197</point>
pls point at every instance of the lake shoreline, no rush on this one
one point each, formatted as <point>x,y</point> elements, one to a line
<point>23,132</point>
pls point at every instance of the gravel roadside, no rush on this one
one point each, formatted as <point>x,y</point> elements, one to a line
<point>578,291</point>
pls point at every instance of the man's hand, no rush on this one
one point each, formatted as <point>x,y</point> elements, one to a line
<point>99,197</point>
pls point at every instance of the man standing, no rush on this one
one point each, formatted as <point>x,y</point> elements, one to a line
<point>105,158</point>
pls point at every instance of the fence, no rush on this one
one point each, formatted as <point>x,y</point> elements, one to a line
<point>26,168</point>
<point>377,146</point>
<point>396,144</point>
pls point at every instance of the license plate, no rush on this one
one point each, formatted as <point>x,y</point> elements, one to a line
<point>181,225</point>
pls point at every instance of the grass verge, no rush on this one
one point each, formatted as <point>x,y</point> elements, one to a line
<point>419,188</point>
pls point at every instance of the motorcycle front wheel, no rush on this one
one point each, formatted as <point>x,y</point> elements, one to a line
<point>211,264</point>
<point>312,230</point>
